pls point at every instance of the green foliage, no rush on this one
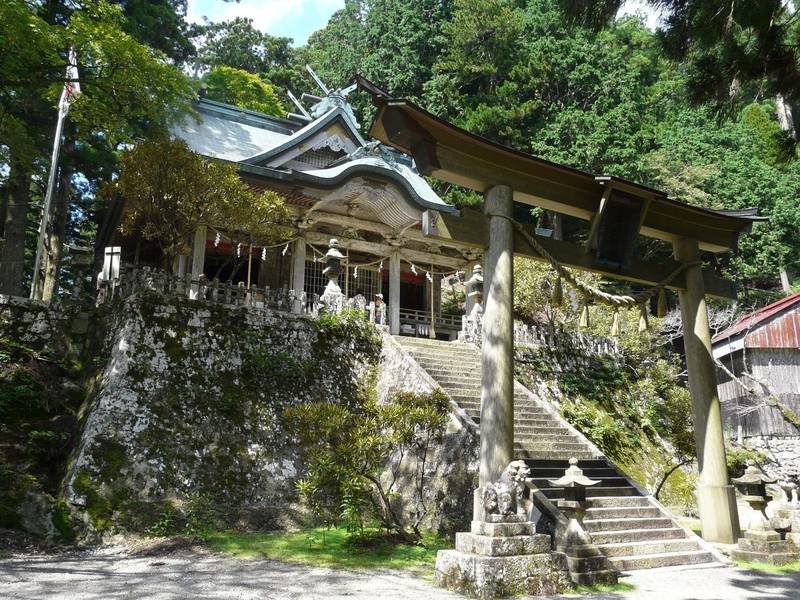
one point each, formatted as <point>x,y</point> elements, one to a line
<point>242,89</point>
<point>332,547</point>
<point>737,457</point>
<point>348,447</point>
<point>200,514</point>
<point>169,191</point>
<point>62,521</point>
<point>238,44</point>
<point>166,523</point>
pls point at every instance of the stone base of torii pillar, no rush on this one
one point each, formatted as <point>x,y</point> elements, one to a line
<point>501,555</point>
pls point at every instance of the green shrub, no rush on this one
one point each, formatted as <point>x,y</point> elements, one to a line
<point>737,457</point>
<point>347,448</point>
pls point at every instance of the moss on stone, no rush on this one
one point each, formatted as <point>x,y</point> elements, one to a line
<point>62,521</point>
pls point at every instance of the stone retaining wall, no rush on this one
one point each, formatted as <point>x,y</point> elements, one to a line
<point>783,454</point>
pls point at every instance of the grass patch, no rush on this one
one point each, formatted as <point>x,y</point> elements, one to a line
<point>793,567</point>
<point>601,588</point>
<point>332,548</point>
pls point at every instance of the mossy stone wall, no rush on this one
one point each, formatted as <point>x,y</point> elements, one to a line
<point>191,401</point>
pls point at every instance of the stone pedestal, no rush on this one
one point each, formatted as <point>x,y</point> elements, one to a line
<point>764,546</point>
<point>789,517</point>
<point>499,557</point>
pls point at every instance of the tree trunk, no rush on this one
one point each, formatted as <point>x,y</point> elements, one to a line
<point>54,243</point>
<point>783,111</point>
<point>785,283</point>
<point>12,252</point>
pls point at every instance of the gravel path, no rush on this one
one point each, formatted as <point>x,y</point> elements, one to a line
<point>99,576</point>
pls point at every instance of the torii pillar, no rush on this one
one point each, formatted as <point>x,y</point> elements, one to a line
<point>497,351</point>
<point>716,498</point>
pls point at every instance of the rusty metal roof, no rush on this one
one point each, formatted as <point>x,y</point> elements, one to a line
<point>776,325</point>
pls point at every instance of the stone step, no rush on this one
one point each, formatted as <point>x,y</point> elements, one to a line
<point>594,492</point>
<point>556,473</point>
<point>621,501</point>
<point>546,444</point>
<point>592,525</point>
<point>624,512</point>
<point>427,343</point>
<point>628,549</point>
<point>538,422</point>
<point>596,463</point>
<point>556,431</point>
<point>447,362</point>
<point>525,454</point>
<point>637,535</point>
<point>666,559</point>
<point>544,482</point>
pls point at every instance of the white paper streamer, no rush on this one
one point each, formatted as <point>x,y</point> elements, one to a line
<point>239,250</point>
<point>285,249</point>
<point>355,273</point>
<point>217,239</point>
<point>263,254</point>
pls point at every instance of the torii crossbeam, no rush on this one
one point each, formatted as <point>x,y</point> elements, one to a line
<point>618,211</point>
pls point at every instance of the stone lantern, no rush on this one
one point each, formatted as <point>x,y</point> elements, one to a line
<point>332,297</point>
<point>474,285</point>
<point>472,324</point>
<point>753,487</point>
<point>760,543</point>
<point>587,565</point>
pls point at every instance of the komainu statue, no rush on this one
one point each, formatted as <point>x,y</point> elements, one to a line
<point>505,497</point>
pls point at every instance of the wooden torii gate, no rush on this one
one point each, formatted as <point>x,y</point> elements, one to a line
<point>618,211</point>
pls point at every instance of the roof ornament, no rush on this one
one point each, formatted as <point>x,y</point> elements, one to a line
<point>376,149</point>
<point>331,98</point>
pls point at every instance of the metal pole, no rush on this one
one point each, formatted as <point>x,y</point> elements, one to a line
<point>48,198</point>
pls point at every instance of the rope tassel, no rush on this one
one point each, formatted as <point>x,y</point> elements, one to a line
<point>661,307</point>
<point>643,323</point>
<point>583,323</point>
<point>615,324</point>
<point>558,293</point>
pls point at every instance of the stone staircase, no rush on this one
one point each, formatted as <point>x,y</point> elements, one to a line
<point>457,369</point>
<point>630,528</point>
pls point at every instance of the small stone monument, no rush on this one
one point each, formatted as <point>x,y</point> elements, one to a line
<point>502,555</point>
<point>787,516</point>
<point>759,543</point>
<point>332,298</point>
<point>587,565</point>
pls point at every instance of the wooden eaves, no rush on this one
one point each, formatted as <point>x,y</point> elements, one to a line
<point>446,152</point>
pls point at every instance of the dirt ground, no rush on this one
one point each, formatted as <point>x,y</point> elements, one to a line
<point>180,570</point>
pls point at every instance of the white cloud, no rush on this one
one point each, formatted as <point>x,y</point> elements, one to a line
<point>293,18</point>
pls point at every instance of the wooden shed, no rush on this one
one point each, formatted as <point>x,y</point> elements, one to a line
<point>762,349</point>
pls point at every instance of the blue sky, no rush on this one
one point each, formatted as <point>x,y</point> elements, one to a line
<point>297,19</point>
<point>290,18</point>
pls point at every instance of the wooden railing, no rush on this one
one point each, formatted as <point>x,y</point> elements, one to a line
<point>422,317</point>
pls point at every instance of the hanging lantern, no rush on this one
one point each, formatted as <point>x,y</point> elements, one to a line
<point>615,323</point>
<point>583,322</point>
<point>643,323</point>
<point>661,306</point>
<point>557,297</point>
